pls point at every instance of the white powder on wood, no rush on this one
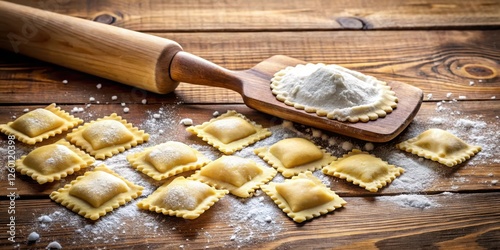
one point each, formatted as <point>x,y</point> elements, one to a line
<point>410,201</point>
<point>349,88</point>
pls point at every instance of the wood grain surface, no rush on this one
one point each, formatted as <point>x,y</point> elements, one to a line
<point>261,15</point>
<point>449,49</point>
<point>421,58</point>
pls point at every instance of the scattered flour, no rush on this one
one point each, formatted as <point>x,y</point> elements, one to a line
<point>250,218</point>
<point>410,200</point>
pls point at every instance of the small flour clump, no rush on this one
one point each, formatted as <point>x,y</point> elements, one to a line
<point>54,245</point>
<point>333,91</point>
<point>33,237</point>
<point>186,122</point>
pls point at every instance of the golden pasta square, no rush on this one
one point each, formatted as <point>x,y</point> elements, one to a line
<point>40,124</point>
<point>53,162</point>
<point>167,159</point>
<point>182,198</point>
<point>239,175</point>
<point>364,170</point>
<point>292,156</point>
<point>230,132</point>
<point>441,146</point>
<point>107,136</point>
<point>96,193</point>
<point>303,197</point>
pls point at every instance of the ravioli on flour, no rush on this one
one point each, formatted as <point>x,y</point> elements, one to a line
<point>182,198</point>
<point>364,170</point>
<point>107,136</point>
<point>292,156</point>
<point>53,162</point>
<point>441,146</point>
<point>96,193</point>
<point>239,175</point>
<point>303,197</point>
<point>40,124</point>
<point>230,132</point>
<point>167,159</point>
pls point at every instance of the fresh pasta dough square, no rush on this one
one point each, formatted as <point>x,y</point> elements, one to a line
<point>107,136</point>
<point>441,146</point>
<point>40,124</point>
<point>96,193</point>
<point>53,162</point>
<point>230,132</point>
<point>182,198</point>
<point>303,197</point>
<point>167,159</point>
<point>292,156</point>
<point>239,175</point>
<point>364,170</point>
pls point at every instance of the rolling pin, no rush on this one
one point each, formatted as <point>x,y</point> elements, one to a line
<point>110,52</point>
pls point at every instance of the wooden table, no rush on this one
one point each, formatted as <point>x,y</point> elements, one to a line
<point>449,49</point>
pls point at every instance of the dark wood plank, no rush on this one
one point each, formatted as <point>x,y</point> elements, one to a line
<point>280,15</point>
<point>463,63</point>
<point>450,221</point>
<point>422,176</point>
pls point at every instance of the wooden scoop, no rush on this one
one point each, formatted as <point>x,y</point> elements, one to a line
<point>158,65</point>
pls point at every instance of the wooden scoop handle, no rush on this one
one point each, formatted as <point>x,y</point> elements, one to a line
<point>114,53</point>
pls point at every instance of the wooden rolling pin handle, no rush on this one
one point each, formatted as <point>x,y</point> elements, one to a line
<point>121,55</point>
<point>186,67</point>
